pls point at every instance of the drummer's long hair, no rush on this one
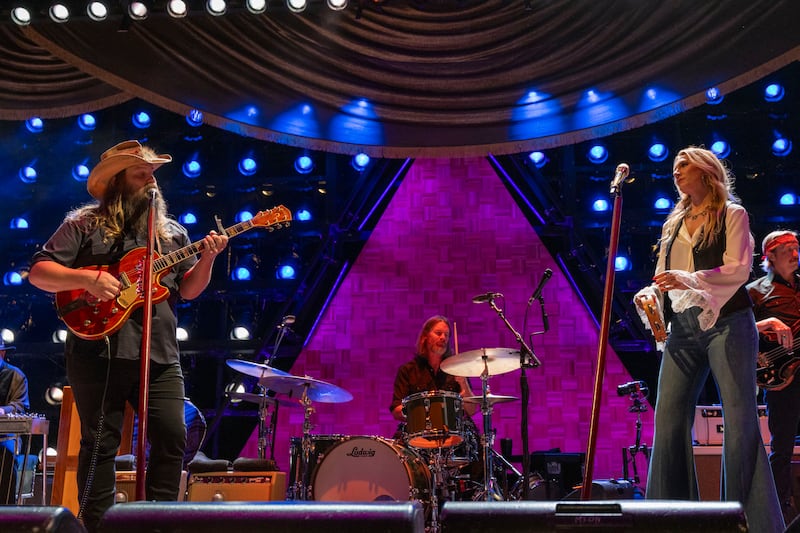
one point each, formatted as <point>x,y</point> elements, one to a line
<point>426,328</point>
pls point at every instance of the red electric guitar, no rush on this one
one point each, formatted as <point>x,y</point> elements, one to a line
<point>90,319</point>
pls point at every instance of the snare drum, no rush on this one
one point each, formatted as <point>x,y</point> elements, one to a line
<point>433,419</point>
<point>362,469</point>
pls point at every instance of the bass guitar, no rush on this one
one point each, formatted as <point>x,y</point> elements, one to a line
<point>777,366</point>
<point>91,319</point>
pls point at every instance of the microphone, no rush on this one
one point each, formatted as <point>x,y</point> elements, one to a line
<point>285,321</point>
<point>538,292</point>
<point>619,176</point>
<point>486,297</point>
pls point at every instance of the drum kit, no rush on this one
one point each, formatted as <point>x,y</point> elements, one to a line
<point>424,465</point>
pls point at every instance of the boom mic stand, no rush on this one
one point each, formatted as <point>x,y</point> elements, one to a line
<point>527,359</point>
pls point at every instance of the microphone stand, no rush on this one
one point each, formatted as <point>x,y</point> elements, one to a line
<point>527,359</point>
<point>602,343</point>
<point>144,355</point>
<point>273,423</point>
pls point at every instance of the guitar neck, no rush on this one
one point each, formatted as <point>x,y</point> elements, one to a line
<point>173,258</point>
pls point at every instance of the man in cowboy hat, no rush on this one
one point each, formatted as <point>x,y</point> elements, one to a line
<point>775,298</point>
<point>13,400</point>
<point>104,370</point>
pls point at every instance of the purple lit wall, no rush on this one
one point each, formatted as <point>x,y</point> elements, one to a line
<point>452,231</point>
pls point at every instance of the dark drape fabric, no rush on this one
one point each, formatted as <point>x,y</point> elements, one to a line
<point>405,79</point>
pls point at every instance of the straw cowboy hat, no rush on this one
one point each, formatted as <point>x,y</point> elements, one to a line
<point>118,158</point>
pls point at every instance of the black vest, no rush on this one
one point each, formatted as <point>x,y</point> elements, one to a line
<point>708,258</point>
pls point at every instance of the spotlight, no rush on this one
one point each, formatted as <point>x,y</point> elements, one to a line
<point>256,6</point>
<point>337,5</point>
<point>714,96</point>
<point>194,118</point>
<point>21,16</point>
<point>243,216</point>
<point>28,174</point>
<point>141,120</point>
<point>59,336</point>
<point>245,268</point>
<point>87,122</point>
<point>177,8</point>
<point>247,166</point>
<point>34,125</point>
<point>216,7</point>
<point>657,152</point>
<point>138,10</point>
<point>600,205</point>
<point>80,172</point>
<point>360,161</point>
<point>235,386</point>
<point>54,394</point>
<point>7,336</point>
<point>597,154</point>
<point>303,215</point>
<point>19,223</point>
<point>59,12</point>
<point>241,333</point>
<point>781,147</point>
<point>721,148</point>
<point>788,199</point>
<point>538,159</point>
<point>774,92</point>
<point>182,334</point>
<point>192,168</point>
<point>662,203</point>
<point>97,11</point>
<point>296,6</point>
<point>622,263</point>
<point>188,218</point>
<point>304,164</point>
<point>12,279</point>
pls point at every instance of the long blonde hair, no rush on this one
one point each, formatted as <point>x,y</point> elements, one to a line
<point>719,182</point>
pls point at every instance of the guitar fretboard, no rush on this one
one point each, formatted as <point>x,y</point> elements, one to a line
<point>173,258</point>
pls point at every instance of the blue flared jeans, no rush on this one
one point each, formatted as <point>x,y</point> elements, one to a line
<point>727,350</point>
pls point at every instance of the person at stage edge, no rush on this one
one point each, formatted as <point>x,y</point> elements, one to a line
<point>423,373</point>
<point>13,401</point>
<point>704,261</point>
<point>775,298</point>
<point>104,373</point>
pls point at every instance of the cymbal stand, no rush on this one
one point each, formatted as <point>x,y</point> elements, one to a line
<point>307,444</point>
<point>490,490</point>
<point>265,430</point>
<point>436,464</point>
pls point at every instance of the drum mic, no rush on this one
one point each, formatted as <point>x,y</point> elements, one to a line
<point>538,292</point>
<point>632,387</point>
<point>486,297</point>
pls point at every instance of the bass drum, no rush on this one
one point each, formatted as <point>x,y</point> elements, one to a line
<point>319,445</point>
<point>364,469</point>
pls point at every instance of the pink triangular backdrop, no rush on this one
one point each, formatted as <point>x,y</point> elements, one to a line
<point>452,231</point>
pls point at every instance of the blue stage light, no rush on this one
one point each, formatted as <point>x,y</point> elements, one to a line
<point>600,205</point>
<point>80,172</point>
<point>286,272</point>
<point>188,218</point>
<point>788,199</point>
<point>19,223</point>
<point>34,125</point>
<point>247,166</point>
<point>360,161</point>
<point>662,203</point>
<point>657,152</point>
<point>622,263</point>
<point>194,118</point>
<point>243,216</point>
<point>304,164</point>
<point>141,120</point>
<point>192,168</point>
<point>303,215</point>
<point>28,174</point>
<point>781,147</point>
<point>12,278</point>
<point>714,96</point>
<point>597,154</point>
<point>538,159</point>
<point>87,122</point>
<point>721,148</point>
<point>774,92</point>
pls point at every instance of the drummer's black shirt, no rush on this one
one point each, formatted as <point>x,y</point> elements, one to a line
<point>418,376</point>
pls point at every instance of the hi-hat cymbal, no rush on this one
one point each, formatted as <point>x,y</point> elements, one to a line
<point>491,398</point>
<point>257,370</point>
<point>258,398</point>
<point>471,364</point>
<point>316,390</point>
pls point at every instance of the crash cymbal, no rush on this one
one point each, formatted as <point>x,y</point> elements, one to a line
<point>491,398</point>
<point>471,363</point>
<point>257,370</point>
<point>316,390</point>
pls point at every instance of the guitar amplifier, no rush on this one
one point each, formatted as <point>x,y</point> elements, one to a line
<point>708,427</point>
<point>237,486</point>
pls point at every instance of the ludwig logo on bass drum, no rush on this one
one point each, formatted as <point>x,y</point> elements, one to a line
<point>361,452</point>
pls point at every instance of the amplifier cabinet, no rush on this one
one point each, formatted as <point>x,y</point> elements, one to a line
<point>237,486</point>
<point>708,428</point>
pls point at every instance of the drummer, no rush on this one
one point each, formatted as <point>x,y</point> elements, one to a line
<point>423,373</point>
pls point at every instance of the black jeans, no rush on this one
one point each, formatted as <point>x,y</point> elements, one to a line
<point>166,429</point>
<point>783,408</point>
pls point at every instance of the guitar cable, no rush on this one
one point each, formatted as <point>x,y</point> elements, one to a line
<point>87,489</point>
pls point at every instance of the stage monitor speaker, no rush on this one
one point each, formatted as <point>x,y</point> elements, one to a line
<point>624,516</point>
<point>27,518</point>
<point>275,517</point>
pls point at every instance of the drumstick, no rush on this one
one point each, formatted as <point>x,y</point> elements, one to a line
<point>455,337</point>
